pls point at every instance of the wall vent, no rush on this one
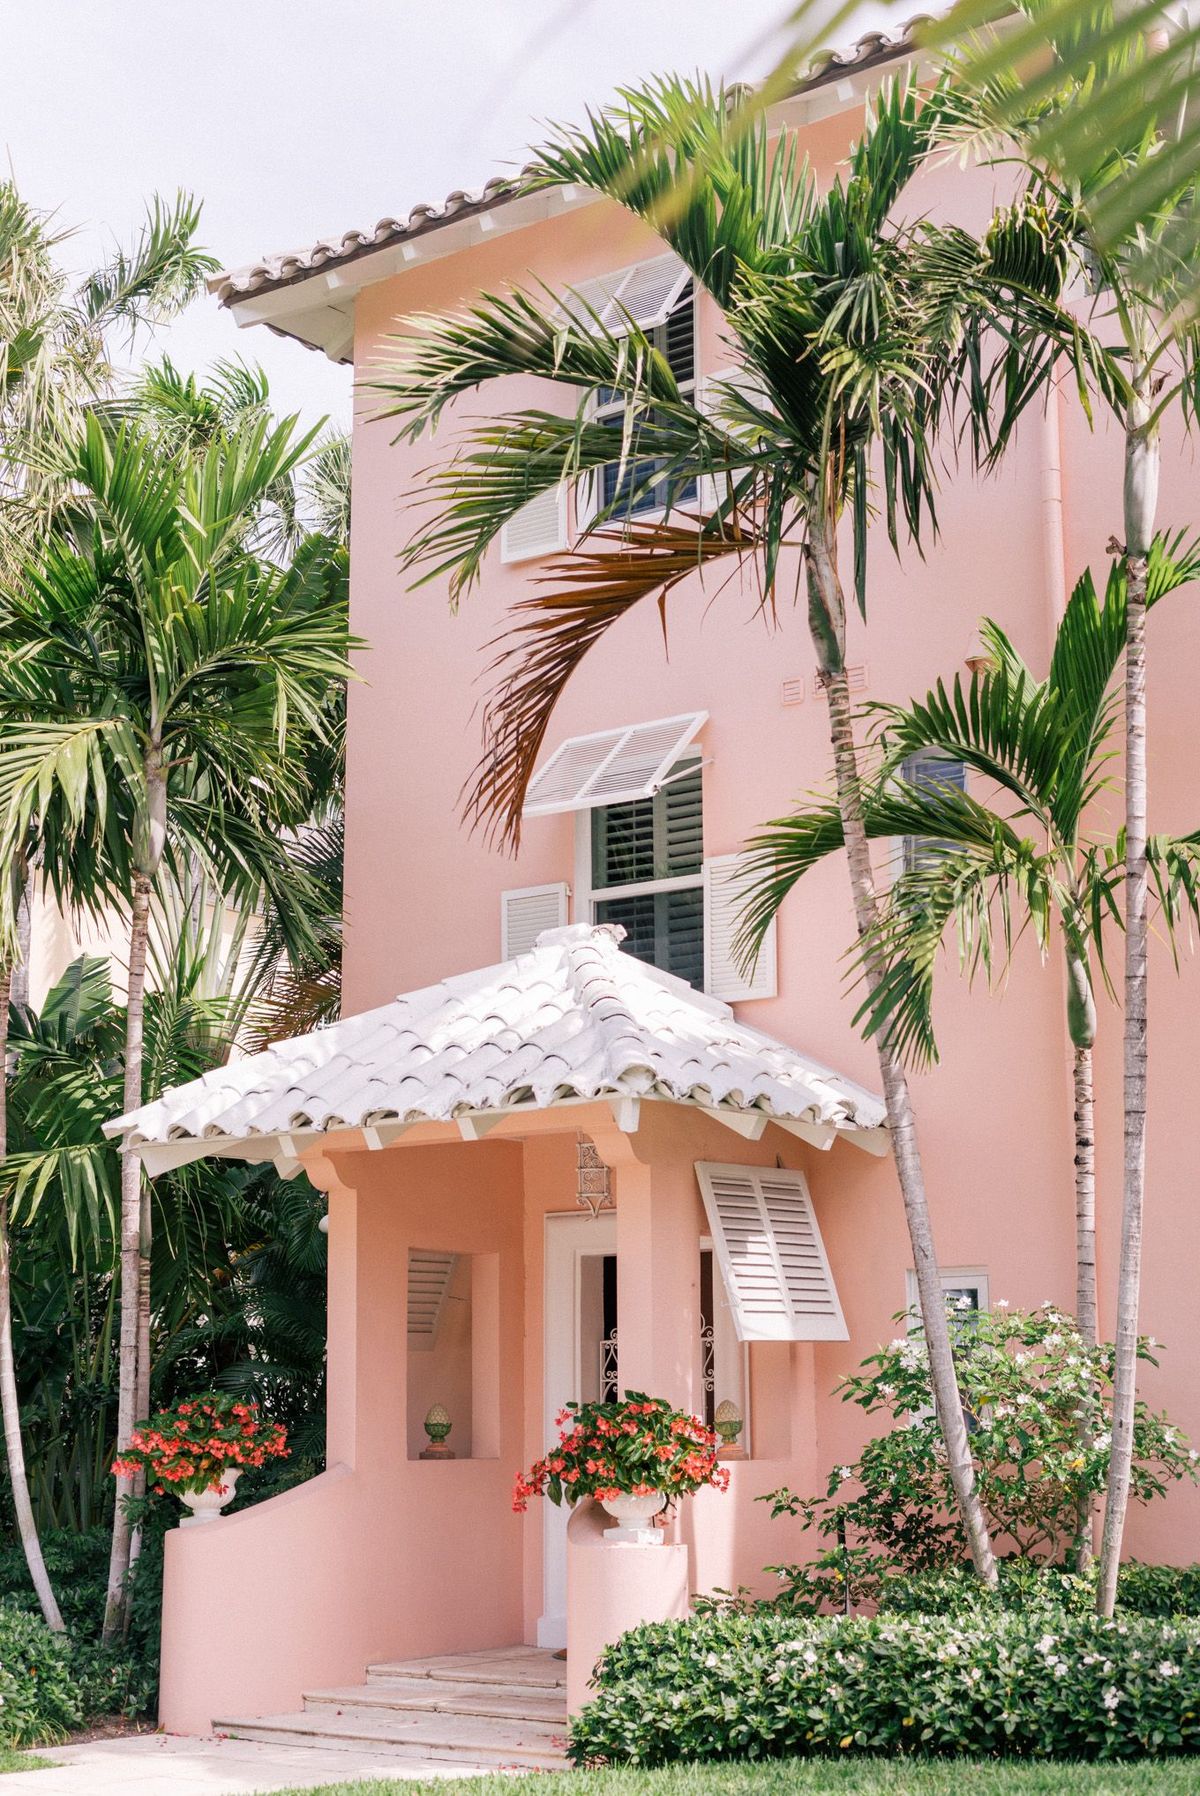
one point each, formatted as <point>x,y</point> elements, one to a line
<point>792,692</point>
<point>856,678</point>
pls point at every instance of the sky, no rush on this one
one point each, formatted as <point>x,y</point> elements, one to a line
<point>299,119</point>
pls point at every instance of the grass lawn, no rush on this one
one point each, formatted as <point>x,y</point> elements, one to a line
<point>12,1760</point>
<point>822,1777</point>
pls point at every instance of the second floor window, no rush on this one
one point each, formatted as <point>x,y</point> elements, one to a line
<point>630,486</point>
<point>929,773</point>
<point>648,874</point>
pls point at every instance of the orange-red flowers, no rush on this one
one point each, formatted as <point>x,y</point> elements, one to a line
<point>195,1444</point>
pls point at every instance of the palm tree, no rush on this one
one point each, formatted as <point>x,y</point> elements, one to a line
<point>164,685</point>
<point>840,354</point>
<point>1019,857</point>
<point>1080,149</point>
<point>55,362</point>
<point>1133,67</point>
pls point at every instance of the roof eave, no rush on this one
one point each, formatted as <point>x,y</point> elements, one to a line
<point>311,299</point>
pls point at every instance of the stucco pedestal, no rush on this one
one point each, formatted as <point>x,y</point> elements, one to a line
<point>611,1589</point>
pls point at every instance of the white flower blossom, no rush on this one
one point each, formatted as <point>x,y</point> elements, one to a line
<point>845,1473</point>
<point>1111,1698</point>
<point>1001,1303</point>
<point>1167,1670</point>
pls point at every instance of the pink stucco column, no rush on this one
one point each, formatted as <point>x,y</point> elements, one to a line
<point>611,1589</point>
<point>658,1277</point>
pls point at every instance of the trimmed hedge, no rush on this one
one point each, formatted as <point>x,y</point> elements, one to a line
<point>1150,1590</point>
<point>1005,1686</point>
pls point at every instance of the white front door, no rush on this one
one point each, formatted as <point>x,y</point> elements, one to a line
<point>577,1357</point>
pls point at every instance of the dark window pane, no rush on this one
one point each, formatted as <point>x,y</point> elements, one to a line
<point>653,838</point>
<point>676,340</point>
<point>928,773</point>
<point>665,929</point>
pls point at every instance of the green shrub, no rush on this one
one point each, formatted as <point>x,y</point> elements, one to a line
<point>121,1681</point>
<point>1008,1686</point>
<point>1040,1401</point>
<point>39,1692</point>
<point>1150,1590</point>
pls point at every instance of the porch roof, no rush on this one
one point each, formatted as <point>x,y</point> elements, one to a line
<point>574,1020</point>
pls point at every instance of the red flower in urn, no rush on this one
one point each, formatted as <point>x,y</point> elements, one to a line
<point>195,1445</point>
<point>635,1447</point>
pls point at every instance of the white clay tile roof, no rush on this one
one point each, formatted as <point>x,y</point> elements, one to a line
<point>275,271</point>
<point>574,1019</point>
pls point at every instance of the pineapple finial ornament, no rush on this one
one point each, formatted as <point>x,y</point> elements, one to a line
<point>437,1427</point>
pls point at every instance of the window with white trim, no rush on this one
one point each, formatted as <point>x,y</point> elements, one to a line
<point>647,873</point>
<point>628,486</point>
<point>965,1291</point>
<point>929,773</point>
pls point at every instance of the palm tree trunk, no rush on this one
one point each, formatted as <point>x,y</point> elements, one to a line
<point>131,1256</point>
<point>1141,497</point>
<point>14,1450</point>
<point>827,620</point>
<point>1081,1024</point>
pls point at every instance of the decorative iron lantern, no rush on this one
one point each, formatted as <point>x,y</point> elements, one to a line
<point>592,1190</point>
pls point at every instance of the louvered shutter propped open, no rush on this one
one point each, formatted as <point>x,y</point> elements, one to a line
<point>611,767</point>
<point>525,912</point>
<point>771,1253</point>
<point>724,901</point>
<point>648,293</point>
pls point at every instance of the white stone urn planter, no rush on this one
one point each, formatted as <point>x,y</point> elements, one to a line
<point>206,1505</point>
<point>634,1518</point>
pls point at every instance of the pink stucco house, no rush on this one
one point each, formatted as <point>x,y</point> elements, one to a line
<point>754,1248</point>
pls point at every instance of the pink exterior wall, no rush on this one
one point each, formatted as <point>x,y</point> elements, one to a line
<point>995,1114</point>
<point>386,1556</point>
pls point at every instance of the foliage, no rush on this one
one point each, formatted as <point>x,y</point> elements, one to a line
<point>123,1681</point>
<point>193,1445</point>
<point>39,1694</point>
<point>1034,1392</point>
<point>632,1447</point>
<point>1160,1591</point>
<point>238,1271</point>
<point>1073,1687</point>
<point>1016,852</point>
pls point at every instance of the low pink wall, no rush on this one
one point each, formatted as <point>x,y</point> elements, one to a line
<point>611,1589</point>
<point>382,1556</point>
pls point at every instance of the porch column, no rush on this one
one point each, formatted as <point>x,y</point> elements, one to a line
<point>658,1281</point>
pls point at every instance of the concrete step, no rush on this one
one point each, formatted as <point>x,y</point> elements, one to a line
<point>531,1667</point>
<point>503,1702</point>
<point>410,1734</point>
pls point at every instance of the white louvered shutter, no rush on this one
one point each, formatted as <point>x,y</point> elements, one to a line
<point>429,1275</point>
<point>612,766</point>
<point>771,1253</point>
<point>724,898</point>
<point>708,400</point>
<point>539,528</point>
<point>524,914</point>
<point>648,293</point>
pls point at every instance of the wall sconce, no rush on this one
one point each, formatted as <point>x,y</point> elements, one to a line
<point>978,658</point>
<point>592,1190</point>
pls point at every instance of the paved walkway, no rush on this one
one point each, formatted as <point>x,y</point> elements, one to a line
<point>180,1765</point>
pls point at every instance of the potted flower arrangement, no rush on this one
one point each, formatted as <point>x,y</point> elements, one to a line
<point>636,1457</point>
<point>199,1449</point>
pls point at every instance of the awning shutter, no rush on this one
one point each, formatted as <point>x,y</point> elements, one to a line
<point>539,528</point>
<point>648,293</point>
<point>771,1253</point>
<point>525,912</point>
<point>611,767</point>
<point>724,900</point>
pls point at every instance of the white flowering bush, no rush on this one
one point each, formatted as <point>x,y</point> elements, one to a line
<point>997,1686</point>
<point>1038,1401</point>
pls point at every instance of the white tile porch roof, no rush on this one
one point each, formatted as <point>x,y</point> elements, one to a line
<point>574,1019</point>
